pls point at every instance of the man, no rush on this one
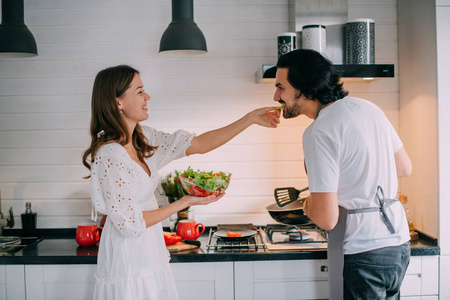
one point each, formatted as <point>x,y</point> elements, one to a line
<point>353,157</point>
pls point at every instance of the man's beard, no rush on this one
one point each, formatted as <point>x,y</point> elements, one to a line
<point>293,111</point>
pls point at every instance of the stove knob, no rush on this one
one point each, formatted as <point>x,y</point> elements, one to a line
<point>323,269</point>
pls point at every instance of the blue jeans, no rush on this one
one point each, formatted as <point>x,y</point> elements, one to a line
<point>376,274</point>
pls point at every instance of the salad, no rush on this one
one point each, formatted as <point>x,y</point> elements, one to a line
<point>203,183</point>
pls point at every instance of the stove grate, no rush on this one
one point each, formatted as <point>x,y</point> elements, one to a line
<point>252,244</point>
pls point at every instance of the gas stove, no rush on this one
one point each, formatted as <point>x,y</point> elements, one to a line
<point>272,237</point>
<point>285,237</point>
<point>251,243</point>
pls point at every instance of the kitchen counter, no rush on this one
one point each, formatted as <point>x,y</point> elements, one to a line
<point>59,247</point>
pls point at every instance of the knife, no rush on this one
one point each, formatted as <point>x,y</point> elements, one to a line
<point>192,242</point>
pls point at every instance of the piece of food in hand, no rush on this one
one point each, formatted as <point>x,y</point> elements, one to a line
<point>170,238</point>
<point>279,107</point>
<point>202,184</point>
<point>233,234</point>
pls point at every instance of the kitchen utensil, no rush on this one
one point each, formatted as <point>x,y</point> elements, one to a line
<point>192,242</point>
<point>245,234</point>
<point>240,226</point>
<point>286,195</point>
<point>180,246</point>
<point>188,229</point>
<point>88,234</point>
<point>290,214</point>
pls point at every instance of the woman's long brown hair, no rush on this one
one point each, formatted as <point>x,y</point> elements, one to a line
<point>107,125</point>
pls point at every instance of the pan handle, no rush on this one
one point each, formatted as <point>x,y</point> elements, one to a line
<point>304,189</point>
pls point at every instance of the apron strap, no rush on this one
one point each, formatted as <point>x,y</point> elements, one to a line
<point>384,203</point>
<point>318,110</point>
<point>336,257</point>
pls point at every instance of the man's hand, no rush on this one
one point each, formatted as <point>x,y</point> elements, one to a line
<point>306,205</point>
<point>322,209</point>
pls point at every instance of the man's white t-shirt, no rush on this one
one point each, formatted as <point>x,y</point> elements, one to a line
<point>349,149</point>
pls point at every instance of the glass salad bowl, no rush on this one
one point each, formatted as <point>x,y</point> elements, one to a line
<point>202,184</point>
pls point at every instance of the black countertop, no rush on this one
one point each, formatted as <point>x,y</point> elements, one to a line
<point>59,247</point>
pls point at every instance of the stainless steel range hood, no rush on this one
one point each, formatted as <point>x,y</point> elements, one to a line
<point>334,15</point>
<point>347,72</point>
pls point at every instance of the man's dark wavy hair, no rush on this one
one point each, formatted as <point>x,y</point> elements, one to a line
<point>313,75</point>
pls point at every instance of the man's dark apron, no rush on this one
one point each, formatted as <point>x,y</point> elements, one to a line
<point>336,242</point>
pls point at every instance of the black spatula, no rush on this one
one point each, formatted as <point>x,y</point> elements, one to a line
<point>286,195</point>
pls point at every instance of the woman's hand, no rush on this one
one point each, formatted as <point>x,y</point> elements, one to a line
<point>152,217</point>
<point>266,116</point>
<point>193,200</point>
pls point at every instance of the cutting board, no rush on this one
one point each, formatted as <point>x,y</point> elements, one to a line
<point>180,246</point>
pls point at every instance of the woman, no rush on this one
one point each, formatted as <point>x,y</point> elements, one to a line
<point>124,158</point>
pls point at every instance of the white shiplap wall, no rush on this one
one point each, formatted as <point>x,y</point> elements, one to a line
<point>45,101</point>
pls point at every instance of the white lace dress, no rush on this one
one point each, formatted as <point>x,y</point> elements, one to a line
<point>133,262</point>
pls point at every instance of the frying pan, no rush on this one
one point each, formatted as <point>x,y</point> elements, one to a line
<point>290,214</point>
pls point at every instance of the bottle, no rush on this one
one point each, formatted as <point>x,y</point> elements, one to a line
<point>409,211</point>
<point>29,220</point>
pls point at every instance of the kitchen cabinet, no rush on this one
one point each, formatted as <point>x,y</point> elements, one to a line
<point>240,280</point>
<point>308,279</point>
<point>12,282</point>
<point>200,281</point>
<point>294,279</point>
<point>55,282</point>
<point>421,279</point>
<point>204,281</point>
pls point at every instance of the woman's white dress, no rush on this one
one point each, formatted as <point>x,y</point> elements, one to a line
<point>133,262</point>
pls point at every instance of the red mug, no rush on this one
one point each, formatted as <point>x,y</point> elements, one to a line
<point>88,234</point>
<point>188,229</point>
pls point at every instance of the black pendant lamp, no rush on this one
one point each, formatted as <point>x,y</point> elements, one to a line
<point>15,38</point>
<point>183,33</point>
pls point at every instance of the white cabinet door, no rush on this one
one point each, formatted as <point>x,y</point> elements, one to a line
<point>422,278</point>
<point>56,282</point>
<point>297,279</point>
<point>12,282</point>
<point>412,283</point>
<point>2,282</point>
<point>204,281</point>
<point>194,281</point>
